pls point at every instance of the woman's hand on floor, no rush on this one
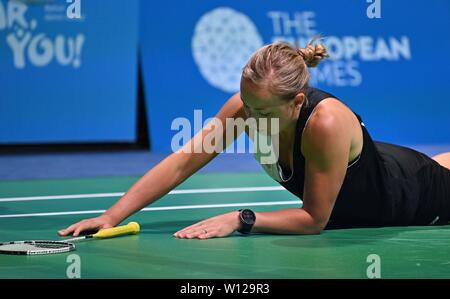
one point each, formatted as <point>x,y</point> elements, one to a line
<point>215,227</point>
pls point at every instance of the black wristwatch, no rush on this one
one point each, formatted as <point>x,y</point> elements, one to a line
<point>248,219</point>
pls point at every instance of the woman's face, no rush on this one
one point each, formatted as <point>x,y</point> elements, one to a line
<point>266,108</point>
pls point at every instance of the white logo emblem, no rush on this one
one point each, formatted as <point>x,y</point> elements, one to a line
<point>224,39</point>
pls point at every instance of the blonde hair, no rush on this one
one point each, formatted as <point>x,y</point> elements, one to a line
<point>283,68</point>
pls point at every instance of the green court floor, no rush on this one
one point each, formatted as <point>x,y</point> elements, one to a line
<point>27,212</point>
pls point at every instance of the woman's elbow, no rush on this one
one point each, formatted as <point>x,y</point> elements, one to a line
<point>316,227</point>
<point>315,230</point>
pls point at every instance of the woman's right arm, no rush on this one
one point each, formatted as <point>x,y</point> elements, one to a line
<point>167,174</point>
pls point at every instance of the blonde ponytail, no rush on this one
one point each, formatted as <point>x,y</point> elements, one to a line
<point>313,54</point>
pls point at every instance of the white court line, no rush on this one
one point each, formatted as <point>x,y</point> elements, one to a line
<point>118,194</point>
<point>243,204</point>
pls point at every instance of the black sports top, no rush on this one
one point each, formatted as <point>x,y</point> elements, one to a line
<point>386,185</point>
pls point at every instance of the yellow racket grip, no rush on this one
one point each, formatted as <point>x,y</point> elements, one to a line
<point>130,228</point>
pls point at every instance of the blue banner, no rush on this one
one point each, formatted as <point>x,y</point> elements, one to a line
<point>389,59</point>
<point>68,71</point>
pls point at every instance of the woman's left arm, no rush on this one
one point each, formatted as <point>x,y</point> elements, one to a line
<point>326,147</point>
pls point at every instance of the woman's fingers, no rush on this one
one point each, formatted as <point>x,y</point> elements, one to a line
<point>200,233</point>
<point>193,226</point>
<point>208,235</point>
<point>78,227</point>
<point>187,232</point>
<point>219,226</point>
<point>194,233</point>
<point>189,229</point>
<point>182,233</point>
<point>84,225</point>
<point>69,230</point>
<point>88,224</point>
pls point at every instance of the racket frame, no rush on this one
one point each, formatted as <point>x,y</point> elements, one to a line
<point>67,247</point>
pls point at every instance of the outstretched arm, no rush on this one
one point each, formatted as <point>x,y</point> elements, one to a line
<point>326,146</point>
<point>166,175</point>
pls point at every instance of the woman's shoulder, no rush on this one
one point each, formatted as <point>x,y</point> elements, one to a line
<point>326,111</point>
<point>329,123</point>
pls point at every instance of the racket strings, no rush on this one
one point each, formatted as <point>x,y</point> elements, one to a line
<point>47,245</point>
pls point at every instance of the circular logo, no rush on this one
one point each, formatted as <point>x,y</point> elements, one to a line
<point>224,39</point>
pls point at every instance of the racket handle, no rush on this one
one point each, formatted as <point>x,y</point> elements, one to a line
<point>130,228</point>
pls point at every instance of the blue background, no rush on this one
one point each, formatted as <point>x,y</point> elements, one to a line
<point>404,102</point>
<point>95,102</point>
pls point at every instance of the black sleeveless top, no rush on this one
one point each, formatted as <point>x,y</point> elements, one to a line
<point>386,185</point>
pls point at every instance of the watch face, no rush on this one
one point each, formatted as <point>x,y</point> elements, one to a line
<point>248,217</point>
